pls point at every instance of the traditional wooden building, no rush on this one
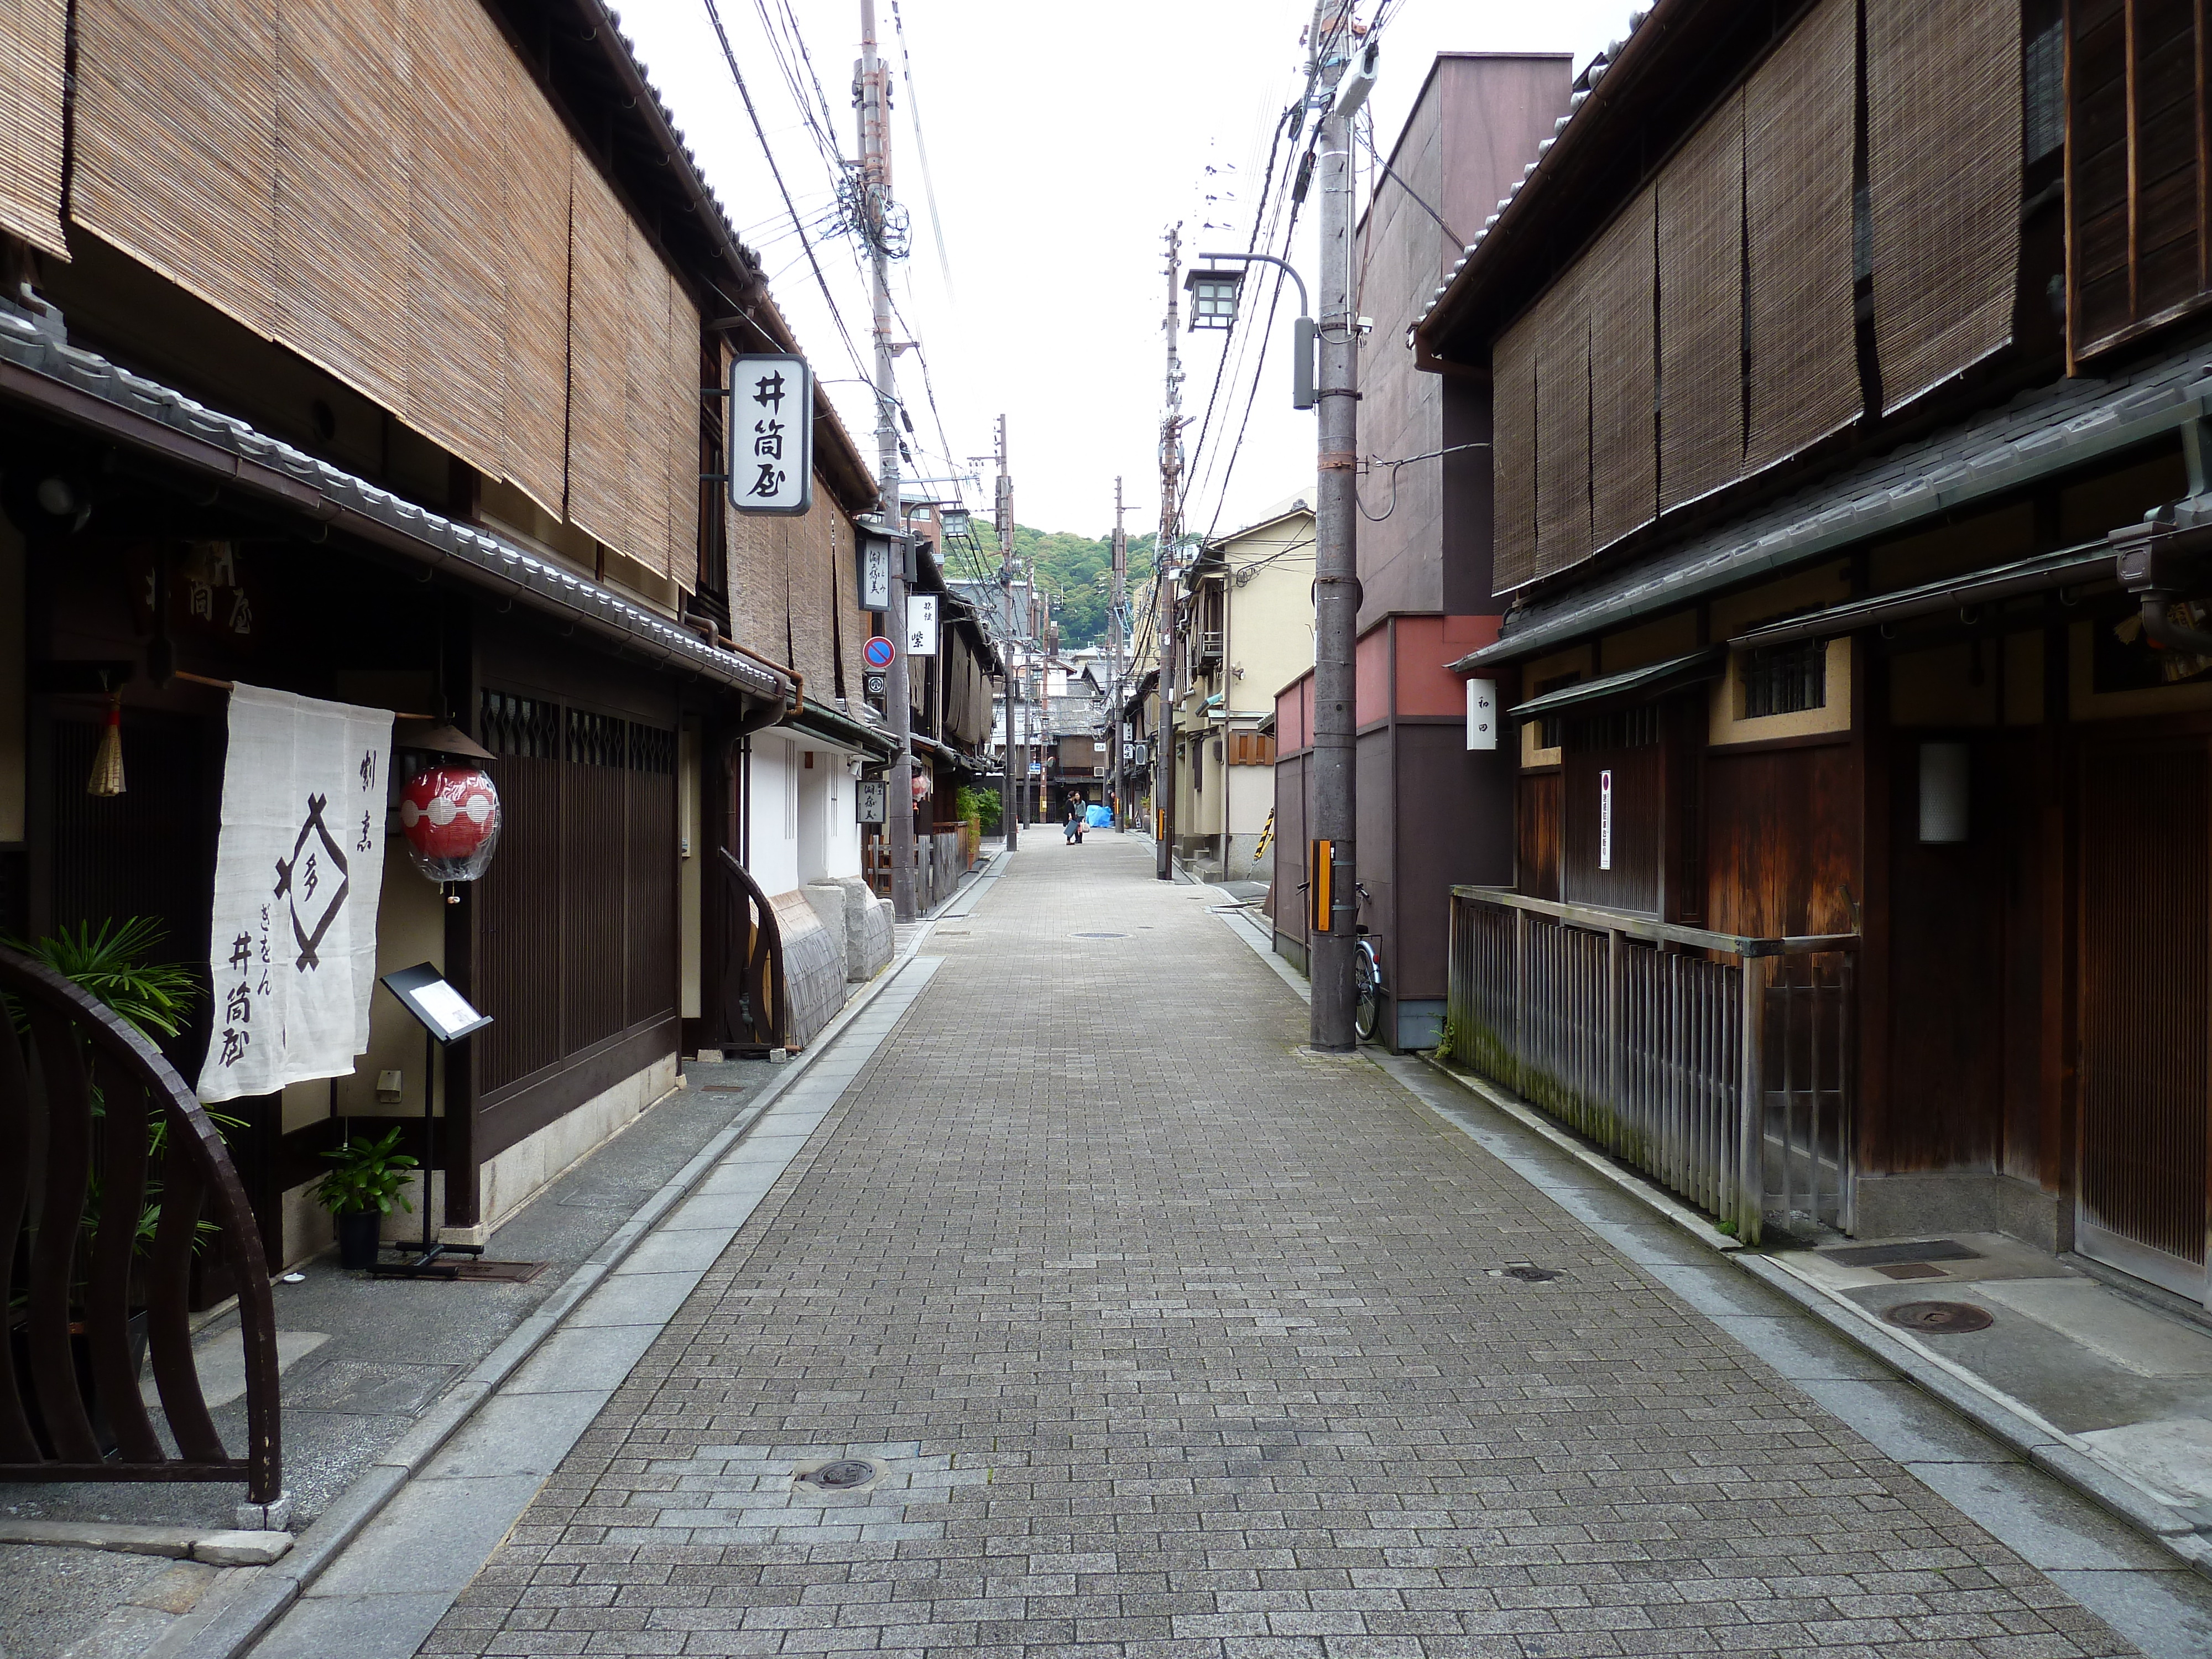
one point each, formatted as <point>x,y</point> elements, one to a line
<point>1848,367</point>
<point>359,352</point>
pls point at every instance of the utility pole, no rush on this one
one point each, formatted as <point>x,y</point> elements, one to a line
<point>1118,594</point>
<point>1003,516</point>
<point>1332,806</point>
<point>873,94</point>
<point>1164,582</point>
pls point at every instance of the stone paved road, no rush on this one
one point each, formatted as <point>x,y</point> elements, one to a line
<point>1168,1342</point>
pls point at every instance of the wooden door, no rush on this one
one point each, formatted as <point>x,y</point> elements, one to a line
<point>2146,1083</point>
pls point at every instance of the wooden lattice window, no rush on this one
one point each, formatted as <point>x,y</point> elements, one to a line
<point>2136,166</point>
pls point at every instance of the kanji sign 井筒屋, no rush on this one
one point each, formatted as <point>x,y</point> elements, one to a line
<point>771,464</point>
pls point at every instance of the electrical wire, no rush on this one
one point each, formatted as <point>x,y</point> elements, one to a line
<point>1375,518</point>
<point>729,56</point>
<point>921,154</point>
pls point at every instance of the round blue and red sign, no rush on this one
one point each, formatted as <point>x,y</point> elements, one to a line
<point>878,652</point>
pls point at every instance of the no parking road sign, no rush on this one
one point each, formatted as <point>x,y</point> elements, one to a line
<point>878,652</point>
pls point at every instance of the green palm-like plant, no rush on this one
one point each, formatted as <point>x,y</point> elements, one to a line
<point>110,962</point>
<point>372,1174</point>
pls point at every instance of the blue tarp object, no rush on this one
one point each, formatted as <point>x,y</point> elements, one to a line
<point>1097,818</point>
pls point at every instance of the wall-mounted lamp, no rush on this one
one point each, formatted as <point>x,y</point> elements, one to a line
<point>1946,774</point>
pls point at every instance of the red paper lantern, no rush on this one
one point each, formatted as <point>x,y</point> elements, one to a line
<point>450,815</point>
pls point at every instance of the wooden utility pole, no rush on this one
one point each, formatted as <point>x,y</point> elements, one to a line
<point>1163,610</point>
<point>875,101</point>
<point>1332,806</point>
<point>1003,521</point>
<point>1117,595</point>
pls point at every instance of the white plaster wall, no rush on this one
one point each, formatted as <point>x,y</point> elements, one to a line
<point>841,850</point>
<point>1251,798</point>
<point>811,775</point>
<point>772,814</point>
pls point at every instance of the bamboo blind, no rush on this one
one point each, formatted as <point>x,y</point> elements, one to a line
<point>1623,288</point>
<point>1943,161</point>
<point>645,468</point>
<point>1700,206</point>
<point>457,172</point>
<point>1562,425</point>
<point>340,264</point>
<point>1798,126</point>
<point>599,366</point>
<point>33,43</point>
<point>1513,458</point>
<point>533,438</point>
<point>175,141</point>
<point>680,386</point>
<point>813,566</point>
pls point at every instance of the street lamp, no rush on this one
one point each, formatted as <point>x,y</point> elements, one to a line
<point>1305,333</point>
<point>1213,298</point>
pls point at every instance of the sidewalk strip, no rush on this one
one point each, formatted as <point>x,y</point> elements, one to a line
<point>380,1566</point>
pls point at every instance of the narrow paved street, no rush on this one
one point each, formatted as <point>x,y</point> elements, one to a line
<point>1169,1340</point>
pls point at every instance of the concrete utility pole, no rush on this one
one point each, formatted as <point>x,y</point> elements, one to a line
<point>1118,594</point>
<point>874,91</point>
<point>1332,806</point>
<point>1003,516</point>
<point>1163,607</point>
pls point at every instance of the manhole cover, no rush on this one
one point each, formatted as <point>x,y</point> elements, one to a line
<point>1098,936</point>
<point>841,1473</point>
<point>1941,1318</point>
<point>1526,1273</point>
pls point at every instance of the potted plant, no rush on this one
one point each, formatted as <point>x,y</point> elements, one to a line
<point>371,1176</point>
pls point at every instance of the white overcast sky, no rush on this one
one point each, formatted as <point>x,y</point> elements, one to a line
<point>1061,141</point>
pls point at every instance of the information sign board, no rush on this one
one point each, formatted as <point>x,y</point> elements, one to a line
<point>771,459</point>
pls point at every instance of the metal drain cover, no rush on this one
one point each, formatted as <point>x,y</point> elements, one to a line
<point>840,1474</point>
<point>1939,1318</point>
<point>1098,936</point>
<point>1525,1272</point>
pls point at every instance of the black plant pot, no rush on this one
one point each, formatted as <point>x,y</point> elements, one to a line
<point>357,1237</point>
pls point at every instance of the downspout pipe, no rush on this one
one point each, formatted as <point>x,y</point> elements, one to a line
<point>2159,560</point>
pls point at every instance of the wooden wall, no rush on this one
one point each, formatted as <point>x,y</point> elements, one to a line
<point>1781,840</point>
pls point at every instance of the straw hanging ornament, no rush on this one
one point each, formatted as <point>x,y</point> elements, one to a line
<point>107,777</point>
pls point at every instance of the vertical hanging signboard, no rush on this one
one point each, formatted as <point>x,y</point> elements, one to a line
<point>1481,715</point>
<point>771,462</point>
<point>1605,820</point>
<point>922,625</point>
<point>875,572</point>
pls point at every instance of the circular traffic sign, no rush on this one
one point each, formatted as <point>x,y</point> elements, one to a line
<point>879,652</point>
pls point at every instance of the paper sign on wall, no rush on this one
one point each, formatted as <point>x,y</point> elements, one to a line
<point>1482,713</point>
<point>1605,820</point>
<point>922,625</point>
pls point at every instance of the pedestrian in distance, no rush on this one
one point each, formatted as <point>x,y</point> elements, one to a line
<point>1067,829</point>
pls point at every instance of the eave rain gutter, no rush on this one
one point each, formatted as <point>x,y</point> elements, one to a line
<point>2130,420</point>
<point>1652,677</point>
<point>88,391</point>
<point>2090,562</point>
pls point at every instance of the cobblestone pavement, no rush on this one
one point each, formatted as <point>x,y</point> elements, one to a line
<point>1162,1340</point>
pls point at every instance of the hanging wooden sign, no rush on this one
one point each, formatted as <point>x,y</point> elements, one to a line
<point>771,463</point>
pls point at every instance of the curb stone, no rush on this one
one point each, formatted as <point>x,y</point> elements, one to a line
<point>246,1619</point>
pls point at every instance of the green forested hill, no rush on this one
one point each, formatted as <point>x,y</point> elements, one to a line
<point>1075,571</point>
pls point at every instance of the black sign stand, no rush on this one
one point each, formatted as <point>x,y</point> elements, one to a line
<point>445,1017</point>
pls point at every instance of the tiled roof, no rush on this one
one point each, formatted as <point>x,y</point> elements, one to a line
<point>2040,432</point>
<point>487,557</point>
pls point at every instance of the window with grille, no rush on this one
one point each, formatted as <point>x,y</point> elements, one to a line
<point>1784,679</point>
<point>1549,728</point>
<point>1616,728</point>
